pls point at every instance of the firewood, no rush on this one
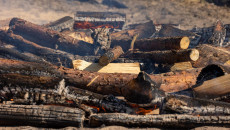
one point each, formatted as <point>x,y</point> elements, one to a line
<point>166,43</point>
<point>213,88</point>
<point>180,66</point>
<point>66,96</point>
<point>167,30</point>
<point>51,55</point>
<point>133,68</point>
<point>124,37</point>
<point>103,83</point>
<point>169,57</point>
<point>12,53</point>
<point>195,106</point>
<point>110,55</point>
<point>211,55</point>
<point>49,38</point>
<point>35,115</point>
<point>165,121</point>
<point>92,20</point>
<point>61,24</point>
<point>141,90</point>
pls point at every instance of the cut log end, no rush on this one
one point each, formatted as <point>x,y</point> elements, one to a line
<point>184,43</point>
<point>194,55</point>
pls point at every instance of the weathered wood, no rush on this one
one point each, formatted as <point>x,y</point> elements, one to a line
<point>166,43</point>
<point>195,106</point>
<point>180,66</point>
<point>110,55</point>
<point>61,24</point>
<point>161,121</point>
<point>35,115</point>
<point>103,83</point>
<point>133,68</point>
<point>54,56</point>
<point>167,30</point>
<point>211,55</point>
<point>12,53</point>
<point>123,38</point>
<point>141,90</point>
<point>49,38</point>
<point>169,57</point>
<point>213,88</point>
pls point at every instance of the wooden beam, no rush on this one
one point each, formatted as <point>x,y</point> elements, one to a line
<point>133,68</point>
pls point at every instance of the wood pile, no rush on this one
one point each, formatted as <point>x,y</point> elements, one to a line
<point>147,75</point>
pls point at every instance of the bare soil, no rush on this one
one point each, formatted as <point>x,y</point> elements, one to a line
<point>187,13</point>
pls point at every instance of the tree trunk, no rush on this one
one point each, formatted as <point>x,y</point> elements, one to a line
<point>49,38</point>
<point>167,56</point>
<point>49,116</point>
<point>161,121</point>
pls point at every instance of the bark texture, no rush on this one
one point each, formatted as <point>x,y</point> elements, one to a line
<point>49,116</point>
<point>49,38</point>
<point>168,120</point>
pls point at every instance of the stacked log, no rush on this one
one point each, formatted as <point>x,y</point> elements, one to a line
<point>49,38</point>
<point>35,115</point>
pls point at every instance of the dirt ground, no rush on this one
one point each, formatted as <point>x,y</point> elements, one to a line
<point>187,13</point>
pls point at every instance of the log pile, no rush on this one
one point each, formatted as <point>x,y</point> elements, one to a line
<point>146,75</point>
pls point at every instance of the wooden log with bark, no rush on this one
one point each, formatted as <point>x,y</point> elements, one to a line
<point>172,56</point>
<point>166,121</point>
<point>18,72</point>
<point>54,56</point>
<point>195,106</point>
<point>166,43</point>
<point>49,38</point>
<point>35,115</point>
<point>211,55</point>
<point>110,55</point>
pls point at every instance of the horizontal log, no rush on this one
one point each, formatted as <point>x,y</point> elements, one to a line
<point>54,56</point>
<point>167,56</point>
<point>103,83</point>
<point>166,43</point>
<point>160,121</point>
<point>34,115</point>
<point>195,106</point>
<point>49,38</point>
<point>211,55</point>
